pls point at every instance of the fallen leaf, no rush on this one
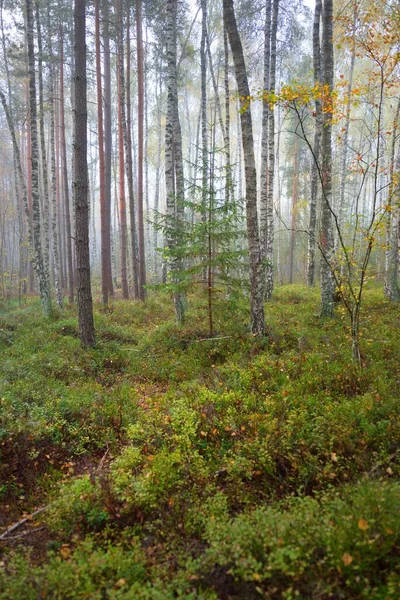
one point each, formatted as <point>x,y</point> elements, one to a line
<point>347,559</point>
<point>363,525</point>
<point>65,551</point>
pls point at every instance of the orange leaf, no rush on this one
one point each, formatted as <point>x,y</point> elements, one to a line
<point>347,559</point>
<point>363,525</point>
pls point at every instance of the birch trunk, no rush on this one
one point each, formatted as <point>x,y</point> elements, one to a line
<point>295,199</point>
<point>204,133</point>
<point>71,278</point>
<point>173,161</point>
<point>53,195</point>
<point>227,137</point>
<point>316,148</point>
<point>255,263</point>
<point>392,287</point>
<point>41,275</point>
<point>157,177</point>
<point>326,236</point>
<point>269,244</point>
<point>343,168</point>
<point>264,132</point>
<point>43,170</point>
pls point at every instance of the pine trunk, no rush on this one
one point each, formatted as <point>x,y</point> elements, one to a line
<point>84,292</point>
<point>140,65</point>
<point>103,213</point>
<point>256,276</point>
<point>121,136</point>
<point>129,165</point>
<point>107,147</point>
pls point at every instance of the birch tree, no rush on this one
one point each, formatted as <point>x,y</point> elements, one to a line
<point>316,147</point>
<point>326,235</point>
<point>174,182</point>
<point>42,276</point>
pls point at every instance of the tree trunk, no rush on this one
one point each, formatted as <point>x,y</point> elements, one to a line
<point>392,287</point>
<point>227,137</point>
<point>40,270</point>
<point>54,204</point>
<point>264,132</point>
<point>157,176</point>
<point>84,292</point>
<point>295,199</point>
<point>345,139</point>
<point>316,148</point>
<point>103,213</point>
<point>326,236</point>
<point>173,161</point>
<point>121,136</point>
<point>256,283</point>
<point>43,163</point>
<point>140,63</point>
<point>269,245</point>
<point>71,270</point>
<point>129,164</point>
<point>107,147</point>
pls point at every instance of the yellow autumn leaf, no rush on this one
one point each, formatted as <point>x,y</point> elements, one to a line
<point>363,525</point>
<point>347,559</point>
<point>65,551</point>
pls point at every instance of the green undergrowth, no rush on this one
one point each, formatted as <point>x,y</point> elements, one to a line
<point>178,466</point>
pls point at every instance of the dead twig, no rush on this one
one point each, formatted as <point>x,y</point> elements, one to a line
<point>381,463</point>
<point>23,534</point>
<point>21,522</point>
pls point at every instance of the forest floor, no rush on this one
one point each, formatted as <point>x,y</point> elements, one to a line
<point>166,465</point>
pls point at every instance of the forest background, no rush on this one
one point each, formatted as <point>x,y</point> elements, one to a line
<point>205,198</point>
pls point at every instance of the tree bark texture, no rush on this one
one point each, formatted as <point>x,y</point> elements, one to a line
<point>315,183</point>
<point>121,162</point>
<point>107,146</point>
<point>39,264</point>
<point>70,261</point>
<point>269,242</point>
<point>255,263</point>
<point>174,182</point>
<point>326,235</point>
<point>264,131</point>
<point>140,71</point>
<point>100,134</point>
<point>53,168</point>
<point>84,292</point>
